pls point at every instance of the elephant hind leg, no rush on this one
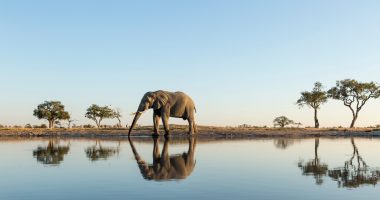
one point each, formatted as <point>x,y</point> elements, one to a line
<point>195,127</point>
<point>192,127</point>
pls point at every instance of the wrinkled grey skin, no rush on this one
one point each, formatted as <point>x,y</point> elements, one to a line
<point>167,104</point>
<point>165,166</point>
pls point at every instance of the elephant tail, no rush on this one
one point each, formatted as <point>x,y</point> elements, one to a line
<point>195,109</point>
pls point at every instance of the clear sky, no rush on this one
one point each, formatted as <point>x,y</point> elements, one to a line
<point>241,61</point>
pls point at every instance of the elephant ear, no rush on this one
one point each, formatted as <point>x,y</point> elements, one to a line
<point>161,100</point>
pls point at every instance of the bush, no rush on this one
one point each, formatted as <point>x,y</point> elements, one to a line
<point>2,126</point>
<point>28,126</point>
<point>88,126</point>
<point>244,126</point>
<point>40,126</point>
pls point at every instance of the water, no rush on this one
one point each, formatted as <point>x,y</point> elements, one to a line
<point>189,169</point>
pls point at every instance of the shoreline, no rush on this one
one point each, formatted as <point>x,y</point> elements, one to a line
<point>203,132</point>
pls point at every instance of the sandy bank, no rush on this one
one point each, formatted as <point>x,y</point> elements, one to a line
<point>204,132</point>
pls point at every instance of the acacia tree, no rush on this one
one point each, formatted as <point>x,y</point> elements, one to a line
<point>354,95</point>
<point>52,111</point>
<point>118,116</point>
<point>313,99</point>
<point>282,121</point>
<point>69,121</point>
<point>98,113</point>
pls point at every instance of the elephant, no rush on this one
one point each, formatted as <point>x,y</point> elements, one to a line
<point>165,167</point>
<point>167,104</point>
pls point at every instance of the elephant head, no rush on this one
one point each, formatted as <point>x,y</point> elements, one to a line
<point>165,166</point>
<point>154,100</point>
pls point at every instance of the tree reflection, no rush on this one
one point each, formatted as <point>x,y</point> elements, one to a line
<point>52,154</point>
<point>314,167</point>
<point>165,166</point>
<point>283,143</point>
<point>355,171</point>
<point>99,152</point>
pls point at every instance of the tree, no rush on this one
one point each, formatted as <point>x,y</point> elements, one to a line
<point>69,121</point>
<point>118,116</point>
<point>97,113</point>
<point>354,95</point>
<point>282,121</point>
<point>298,124</point>
<point>313,99</point>
<point>52,111</point>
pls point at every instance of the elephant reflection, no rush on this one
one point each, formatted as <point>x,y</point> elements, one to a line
<point>165,166</point>
<point>314,167</point>
<point>355,171</point>
<point>99,152</point>
<point>52,154</point>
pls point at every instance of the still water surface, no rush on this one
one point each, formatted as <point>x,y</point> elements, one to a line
<point>147,168</point>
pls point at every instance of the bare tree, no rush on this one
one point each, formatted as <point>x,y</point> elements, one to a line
<point>118,116</point>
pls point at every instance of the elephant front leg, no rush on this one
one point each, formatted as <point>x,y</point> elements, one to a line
<point>156,122</point>
<point>165,121</point>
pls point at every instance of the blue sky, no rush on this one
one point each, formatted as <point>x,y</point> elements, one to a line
<point>241,61</point>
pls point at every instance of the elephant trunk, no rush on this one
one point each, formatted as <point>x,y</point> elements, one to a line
<point>137,116</point>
